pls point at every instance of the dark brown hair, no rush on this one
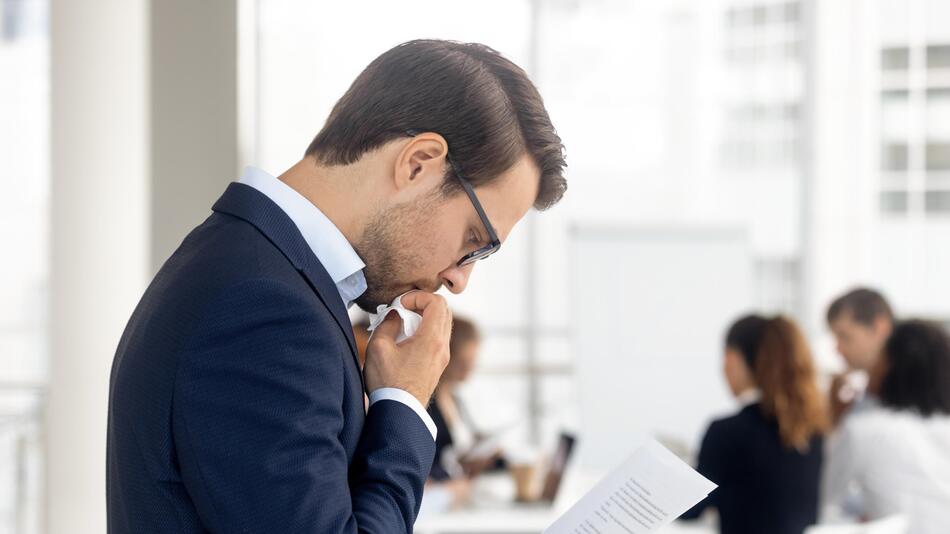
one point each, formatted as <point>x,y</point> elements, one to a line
<point>917,375</point>
<point>864,304</point>
<point>781,364</point>
<point>485,107</point>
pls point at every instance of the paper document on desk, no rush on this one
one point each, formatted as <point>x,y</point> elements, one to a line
<point>651,489</point>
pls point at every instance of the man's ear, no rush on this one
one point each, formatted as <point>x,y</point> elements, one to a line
<point>882,325</point>
<point>420,161</point>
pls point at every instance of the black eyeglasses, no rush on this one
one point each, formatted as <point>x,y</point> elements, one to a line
<point>493,242</point>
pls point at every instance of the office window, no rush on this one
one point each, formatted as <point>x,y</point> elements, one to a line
<point>894,95</point>
<point>894,157</point>
<point>894,202</point>
<point>761,126</point>
<point>938,156</point>
<point>895,115</point>
<point>938,114</point>
<point>738,17</point>
<point>765,13</point>
<point>791,12</point>
<point>937,152</point>
<point>937,202</point>
<point>896,58</point>
<point>938,56</point>
<point>915,130</point>
<point>761,136</point>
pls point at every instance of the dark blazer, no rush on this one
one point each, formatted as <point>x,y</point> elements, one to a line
<point>764,487</point>
<point>236,400</point>
<point>443,439</point>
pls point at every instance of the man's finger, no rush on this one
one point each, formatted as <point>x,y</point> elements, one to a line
<point>448,323</point>
<point>434,319</point>
<point>417,300</point>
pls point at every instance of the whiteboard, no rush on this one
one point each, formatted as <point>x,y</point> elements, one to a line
<point>649,309</point>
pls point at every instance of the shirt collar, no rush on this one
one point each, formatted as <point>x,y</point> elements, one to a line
<point>328,243</point>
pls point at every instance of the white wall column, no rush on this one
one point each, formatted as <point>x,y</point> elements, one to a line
<point>100,237</point>
<point>144,138</point>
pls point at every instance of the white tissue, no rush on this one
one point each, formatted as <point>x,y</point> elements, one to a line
<point>410,319</point>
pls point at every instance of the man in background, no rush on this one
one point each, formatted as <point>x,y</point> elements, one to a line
<point>861,321</point>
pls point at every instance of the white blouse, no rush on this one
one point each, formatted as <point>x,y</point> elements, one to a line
<point>894,462</point>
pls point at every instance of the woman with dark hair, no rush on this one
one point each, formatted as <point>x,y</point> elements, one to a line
<point>894,458</point>
<point>766,459</point>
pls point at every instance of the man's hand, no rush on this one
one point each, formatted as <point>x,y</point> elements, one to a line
<point>842,397</point>
<point>416,364</point>
<point>473,468</point>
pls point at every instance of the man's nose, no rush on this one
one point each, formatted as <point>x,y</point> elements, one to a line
<point>455,278</point>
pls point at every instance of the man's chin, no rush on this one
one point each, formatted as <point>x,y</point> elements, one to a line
<point>370,303</point>
<point>367,305</point>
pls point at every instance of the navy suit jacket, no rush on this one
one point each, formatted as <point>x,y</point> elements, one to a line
<point>236,399</point>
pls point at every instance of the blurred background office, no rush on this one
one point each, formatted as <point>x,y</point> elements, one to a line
<point>724,156</point>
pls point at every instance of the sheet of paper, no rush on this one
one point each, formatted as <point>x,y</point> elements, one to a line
<point>651,489</point>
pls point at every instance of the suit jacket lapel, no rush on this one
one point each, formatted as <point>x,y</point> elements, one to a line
<point>247,203</point>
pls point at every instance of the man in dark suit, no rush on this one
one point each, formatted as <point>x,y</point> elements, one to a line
<point>237,400</point>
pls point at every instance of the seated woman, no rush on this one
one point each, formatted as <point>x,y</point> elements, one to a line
<point>766,459</point>
<point>455,431</point>
<point>452,468</point>
<point>894,457</point>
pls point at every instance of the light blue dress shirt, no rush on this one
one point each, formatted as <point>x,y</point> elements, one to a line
<point>336,254</point>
